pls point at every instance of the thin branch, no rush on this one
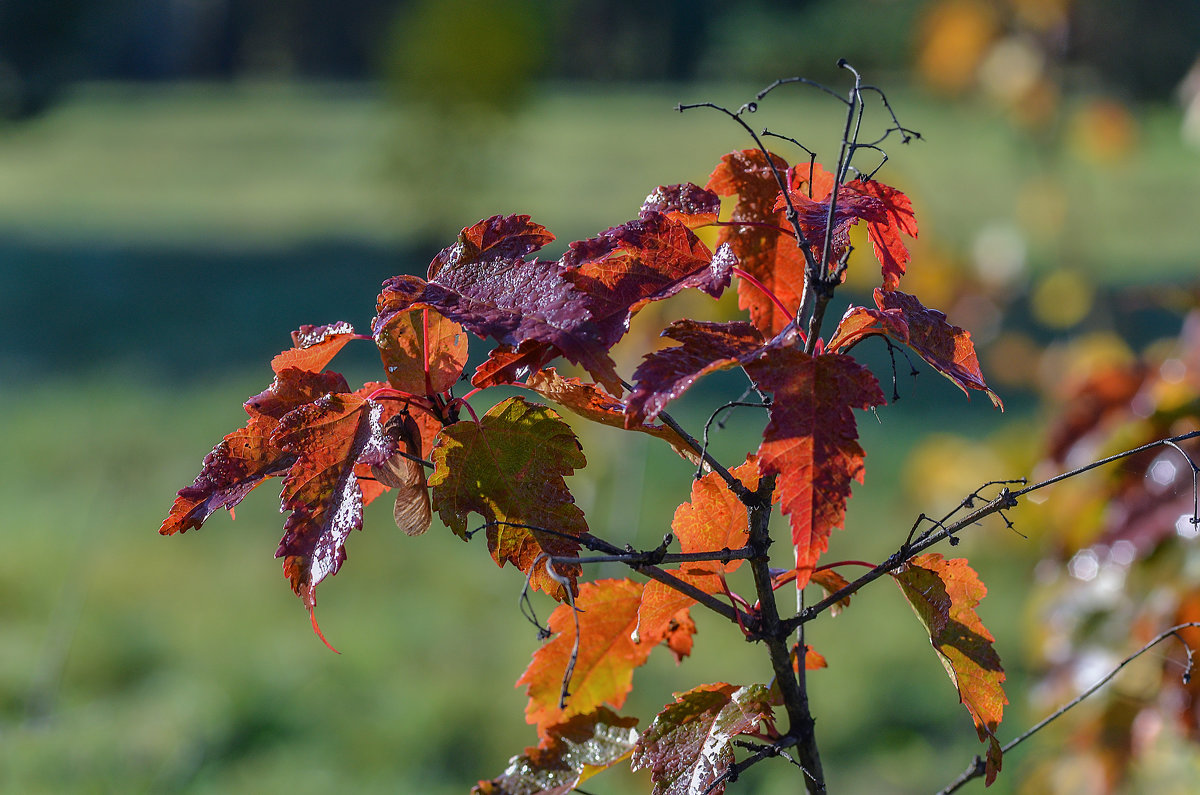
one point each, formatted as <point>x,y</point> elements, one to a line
<point>978,766</point>
<point>761,752</point>
<point>1004,500</point>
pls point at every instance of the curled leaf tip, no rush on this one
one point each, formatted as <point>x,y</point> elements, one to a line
<point>312,614</point>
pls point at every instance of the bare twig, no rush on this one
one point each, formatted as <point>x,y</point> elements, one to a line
<point>978,766</point>
<point>1006,499</point>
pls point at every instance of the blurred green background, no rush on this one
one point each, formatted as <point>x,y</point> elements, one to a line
<point>183,182</point>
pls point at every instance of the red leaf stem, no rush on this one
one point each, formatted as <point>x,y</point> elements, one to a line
<point>765,290</point>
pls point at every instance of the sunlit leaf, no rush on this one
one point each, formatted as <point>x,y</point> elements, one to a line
<point>244,458</point>
<point>328,438</point>
<point>314,347</point>
<point>607,613</point>
<point>764,244</point>
<point>811,441</point>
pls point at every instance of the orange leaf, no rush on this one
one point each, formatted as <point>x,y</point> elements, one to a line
<point>811,441</point>
<point>769,255</point>
<point>314,347</point>
<point>603,673</point>
<point>592,402</point>
<point>715,519</point>
<point>944,593</point>
<point>423,353</point>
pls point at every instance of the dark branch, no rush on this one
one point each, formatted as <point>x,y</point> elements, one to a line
<point>978,766</point>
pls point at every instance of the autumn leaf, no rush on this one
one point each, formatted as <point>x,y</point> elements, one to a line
<point>811,441</point>
<point>246,457</point>
<point>570,754</point>
<point>328,438</point>
<point>509,469</point>
<point>577,307</point>
<point>885,237</point>
<point>607,613</point>
<point>714,519</point>
<point>592,402</point>
<point>501,237</point>
<point>832,582</point>
<point>689,746</point>
<point>946,347</point>
<point>508,365</point>
<point>688,204</point>
<point>813,219</point>
<point>423,353</point>
<point>706,347</point>
<point>944,593</point>
<point>648,259</point>
<point>313,347</point>
<point>861,322</point>
<point>764,244</point>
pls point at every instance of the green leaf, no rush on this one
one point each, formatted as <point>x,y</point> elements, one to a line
<point>510,468</point>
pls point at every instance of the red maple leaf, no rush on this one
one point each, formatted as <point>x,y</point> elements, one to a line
<point>885,234</point>
<point>714,519</point>
<point>577,307</point>
<point>706,347</point>
<point>592,402</point>
<point>329,438</point>
<point>946,347</point>
<point>314,347</point>
<point>764,244</point>
<point>247,456</point>
<point>810,442</point>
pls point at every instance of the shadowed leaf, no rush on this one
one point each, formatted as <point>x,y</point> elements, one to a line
<point>944,594</point>
<point>509,469</point>
<point>570,754</point>
<point>689,746</point>
<point>706,347</point>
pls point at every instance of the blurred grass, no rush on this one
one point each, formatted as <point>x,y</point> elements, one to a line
<point>133,663</point>
<point>261,165</point>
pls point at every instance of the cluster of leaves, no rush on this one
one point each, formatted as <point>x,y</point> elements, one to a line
<point>785,237</point>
